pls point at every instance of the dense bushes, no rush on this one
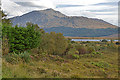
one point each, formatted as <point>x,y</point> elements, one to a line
<point>53,43</point>
<point>21,39</point>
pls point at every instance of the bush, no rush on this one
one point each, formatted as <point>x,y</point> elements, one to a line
<point>104,40</point>
<point>25,57</point>
<point>41,70</point>
<point>81,49</point>
<point>76,56</point>
<point>14,58</point>
<point>112,46</point>
<point>53,43</point>
<point>101,64</point>
<point>72,42</point>
<point>21,39</point>
<point>91,49</point>
<point>117,43</point>
<point>71,51</point>
<point>96,53</point>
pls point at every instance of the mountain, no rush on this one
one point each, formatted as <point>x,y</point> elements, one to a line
<point>50,18</point>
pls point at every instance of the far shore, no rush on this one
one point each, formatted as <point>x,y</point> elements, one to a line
<point>93,38</point>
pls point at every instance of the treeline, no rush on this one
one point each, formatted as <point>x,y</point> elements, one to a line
<point>82,32</point>
<point>20,39</point>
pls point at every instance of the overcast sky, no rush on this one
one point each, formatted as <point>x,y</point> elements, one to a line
<point>102,9</point>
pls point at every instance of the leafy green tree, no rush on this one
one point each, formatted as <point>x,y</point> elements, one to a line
<point>22,38</point>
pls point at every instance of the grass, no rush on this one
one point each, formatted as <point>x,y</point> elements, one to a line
<point>90,67</point>
<point>95,65</point>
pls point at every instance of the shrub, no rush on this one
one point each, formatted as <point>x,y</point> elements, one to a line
<point>71,51</point>
<point>101,64</point>
<point>117,43</point>
<point>72,42</point>
<point>81,49</point>
<point>53,43</point>
<point>25,56</point>
<point>91,49</point>
<point>21,39</point>
<point>55,73</point>
<point>41,70</point>
<point>76,56</point>
<point>14,58</point>
<point>96,53</point>
<point>112,46</point>
<point>104,40</point>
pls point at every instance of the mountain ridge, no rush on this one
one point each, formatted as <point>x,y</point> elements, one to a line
<point>50,18</point>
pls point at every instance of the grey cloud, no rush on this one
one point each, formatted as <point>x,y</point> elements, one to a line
<point>104,10</point>
<point>62,6</point>
<point>107,3</point>
<point>106,14</point>
<point>28,4</point>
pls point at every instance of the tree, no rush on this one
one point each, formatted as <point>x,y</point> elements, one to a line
<point>22,38</point>
<point>104,40</point>
<point>53,43</point>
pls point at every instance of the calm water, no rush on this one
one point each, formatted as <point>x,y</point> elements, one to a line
<point>89,40</point>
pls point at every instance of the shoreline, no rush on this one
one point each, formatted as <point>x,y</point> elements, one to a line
<point>92,37</point>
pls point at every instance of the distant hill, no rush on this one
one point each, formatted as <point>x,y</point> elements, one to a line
<point>113,35</point>
<point>50,18</point>
<point>83,32</point>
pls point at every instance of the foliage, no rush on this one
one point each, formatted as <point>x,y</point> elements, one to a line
<point>14,58</point>
<point>96,53</point>
<point>117,43</point>
<point>73,53</point>
<point>76,56</point>
<point>101,64</point>
<point>112,46</point>
<point>21,39</point>
<point>104,40</point>
<point>53,43</point>
<point>81,49</point>
<point>25,56</point>
<point>91,49</point>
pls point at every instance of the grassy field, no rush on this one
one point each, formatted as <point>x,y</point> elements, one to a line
<point>96,65</point>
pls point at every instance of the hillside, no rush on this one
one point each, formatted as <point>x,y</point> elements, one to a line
<point>82,32</point>
<point>50,18</point>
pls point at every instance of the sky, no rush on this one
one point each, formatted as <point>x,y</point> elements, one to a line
<point>101,9</point>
